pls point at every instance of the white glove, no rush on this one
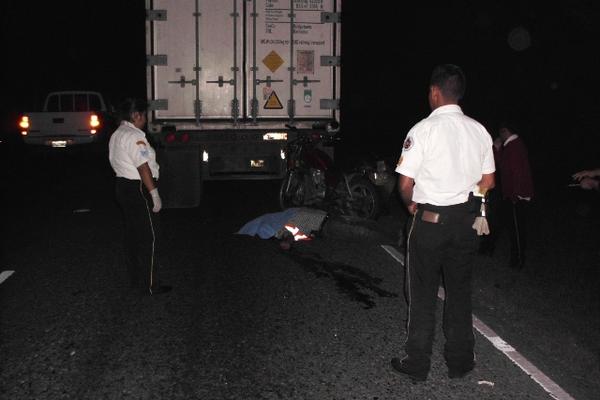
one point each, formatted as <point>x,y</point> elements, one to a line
<point>481,226</point>
<point>156,200</point>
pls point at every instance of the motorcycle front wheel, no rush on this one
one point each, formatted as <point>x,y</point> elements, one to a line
<point>292,191</point>
<point>365,201</point>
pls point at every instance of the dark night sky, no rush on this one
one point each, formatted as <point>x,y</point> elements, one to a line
<point>549,86</point>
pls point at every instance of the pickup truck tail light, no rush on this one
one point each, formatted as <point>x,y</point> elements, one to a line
<point>24,124</point>
<point>94,123</point>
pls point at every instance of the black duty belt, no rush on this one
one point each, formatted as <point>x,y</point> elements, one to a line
<point>442,214</point>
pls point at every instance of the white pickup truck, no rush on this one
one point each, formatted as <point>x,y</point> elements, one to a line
<point>68,118</point>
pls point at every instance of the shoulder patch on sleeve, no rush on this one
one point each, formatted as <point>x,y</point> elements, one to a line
<point>408,143</point>
<point>143,149</point>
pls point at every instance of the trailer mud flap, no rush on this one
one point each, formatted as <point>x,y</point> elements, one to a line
<point>180,180</point>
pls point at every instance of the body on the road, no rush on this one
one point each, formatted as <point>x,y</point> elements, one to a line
<point>134,161</point>
<point>445,158</point>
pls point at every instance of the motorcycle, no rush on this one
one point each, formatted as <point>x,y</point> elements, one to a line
<point>314,180</point>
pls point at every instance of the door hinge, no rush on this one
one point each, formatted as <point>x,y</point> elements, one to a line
<point>331,61</point>
<point>156,15</point>
<point>331,17</point>
<point>156,59</point>
<point>329,104</point>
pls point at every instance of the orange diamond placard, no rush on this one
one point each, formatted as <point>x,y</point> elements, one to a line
<point>273,61</point>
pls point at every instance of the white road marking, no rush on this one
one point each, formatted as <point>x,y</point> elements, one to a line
<point>551,387</point>
<point>5,274</point>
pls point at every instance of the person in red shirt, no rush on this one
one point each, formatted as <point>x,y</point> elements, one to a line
<point>516,189</point>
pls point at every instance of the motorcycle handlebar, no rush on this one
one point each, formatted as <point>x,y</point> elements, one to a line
<point>313,137</point>
<point>316,133</point>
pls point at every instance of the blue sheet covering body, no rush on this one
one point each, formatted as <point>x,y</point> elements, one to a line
<point>267,225</point>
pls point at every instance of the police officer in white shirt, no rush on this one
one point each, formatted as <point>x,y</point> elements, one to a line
<point>134,161</point>
<point>445,158</point>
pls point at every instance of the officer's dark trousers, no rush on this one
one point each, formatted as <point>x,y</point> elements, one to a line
<point>141,232</point>
<point>435,250</point>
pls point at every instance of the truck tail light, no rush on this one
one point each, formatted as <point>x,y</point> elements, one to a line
<point>94,124</point>
<point>170,138</point>
<point>24,124</point>
<point>94,121</point>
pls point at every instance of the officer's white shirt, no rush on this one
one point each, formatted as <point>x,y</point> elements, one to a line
<point>446,154</point>
<point>128,148</point>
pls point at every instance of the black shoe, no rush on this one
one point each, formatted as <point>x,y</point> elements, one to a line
<point>160,290</point>
<point>402,367</point>
<point>458,373</point>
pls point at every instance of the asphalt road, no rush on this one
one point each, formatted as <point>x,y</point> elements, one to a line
<point>245,320</point>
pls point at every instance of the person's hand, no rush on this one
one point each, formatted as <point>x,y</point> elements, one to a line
<point>412,208</point>
<point>156,200</point>
<point>586,174</point>
<point>580,175</point>
<point>589,183</point>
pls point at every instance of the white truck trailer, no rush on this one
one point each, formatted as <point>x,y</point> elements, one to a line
<point>231,81</point>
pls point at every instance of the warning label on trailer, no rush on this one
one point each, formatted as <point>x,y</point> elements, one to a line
<point>306,61</point>
<point>273,102</point>
<point>273,61</point>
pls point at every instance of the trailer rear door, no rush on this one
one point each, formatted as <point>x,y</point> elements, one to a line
<point>241,59</point>
<point>294,69</point>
